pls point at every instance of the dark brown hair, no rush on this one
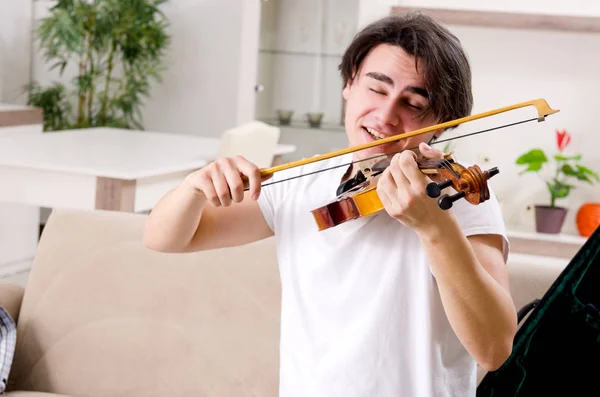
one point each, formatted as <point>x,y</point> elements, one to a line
<point>446,68</point>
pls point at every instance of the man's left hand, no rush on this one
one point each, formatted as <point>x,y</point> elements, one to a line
<point>401,189</point>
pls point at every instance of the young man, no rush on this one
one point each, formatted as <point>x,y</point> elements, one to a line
<point>402,303</point>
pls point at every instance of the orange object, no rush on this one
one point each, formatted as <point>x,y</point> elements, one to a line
<point>362,200</point>
<point>588,218</point>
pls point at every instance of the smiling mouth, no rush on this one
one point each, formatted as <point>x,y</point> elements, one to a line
<point>376,135</point>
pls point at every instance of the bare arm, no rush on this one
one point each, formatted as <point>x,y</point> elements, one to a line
<point>471,274</point>
<point>209,210</point>
<point>473,282</point>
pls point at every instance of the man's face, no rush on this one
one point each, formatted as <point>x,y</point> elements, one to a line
<point>385,99</point>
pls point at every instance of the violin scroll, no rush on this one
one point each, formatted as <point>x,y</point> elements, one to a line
<point>469,182</point>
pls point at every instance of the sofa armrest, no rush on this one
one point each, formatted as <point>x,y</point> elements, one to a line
<point>11,296</point>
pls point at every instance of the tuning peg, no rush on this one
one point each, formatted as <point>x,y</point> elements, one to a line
<point>435,189</point>
<point>445,202</point>
<point>491,172</point>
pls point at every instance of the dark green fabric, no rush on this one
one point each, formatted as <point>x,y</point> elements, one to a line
<point>556,351</point>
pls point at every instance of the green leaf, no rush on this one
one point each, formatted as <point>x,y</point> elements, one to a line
<point>531,167</point>
<point>533,156</point>
<point>568,170</point>
<point>562,184</point>
<point>559,190</point>
<point>559,157</point>
<point>587,171</point>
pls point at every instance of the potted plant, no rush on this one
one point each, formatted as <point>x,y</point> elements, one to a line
<point>564,170</point>
<point>115,49</point>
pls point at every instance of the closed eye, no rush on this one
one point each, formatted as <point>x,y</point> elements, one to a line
<point>416,107</point>
<point>377,92</point>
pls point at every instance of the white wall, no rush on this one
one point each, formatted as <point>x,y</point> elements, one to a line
<point>15,49</point>
<point>19,226</point>
<point>511,66</point>
<point>200,91</point>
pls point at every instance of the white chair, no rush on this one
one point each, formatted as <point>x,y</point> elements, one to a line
<point>254,140</point>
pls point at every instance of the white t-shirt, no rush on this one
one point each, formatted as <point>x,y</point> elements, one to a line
<point>361,313</point>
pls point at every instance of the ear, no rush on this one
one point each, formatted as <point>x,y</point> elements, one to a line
<point>349,83</point>
<point>438,133</point>
<point>346,91</point>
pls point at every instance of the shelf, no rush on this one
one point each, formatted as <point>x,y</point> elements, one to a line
<point>514,20</point>
<point>556,238</point>
<point>296,124</point>
<point>543,244</point>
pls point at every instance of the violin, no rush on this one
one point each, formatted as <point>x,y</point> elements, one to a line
<point>357,200</point>
<point>358,197</point>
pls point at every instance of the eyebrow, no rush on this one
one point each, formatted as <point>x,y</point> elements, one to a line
<point>381,77</point>
<point>419,91</point>
<point>386,79</point>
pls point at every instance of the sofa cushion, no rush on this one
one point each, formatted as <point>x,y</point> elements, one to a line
<point>104,316</point>
<point>531,276</point>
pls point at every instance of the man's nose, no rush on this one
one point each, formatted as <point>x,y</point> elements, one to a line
<point>388,114</point>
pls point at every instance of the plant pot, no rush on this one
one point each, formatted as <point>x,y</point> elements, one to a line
<point>549,219</point>
<point>284,116</point>
<point>314,119</point>
<point>588,218</point>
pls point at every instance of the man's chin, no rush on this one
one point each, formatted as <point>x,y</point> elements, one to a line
<point>371,153</point>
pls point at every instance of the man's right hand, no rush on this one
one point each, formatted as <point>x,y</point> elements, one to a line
<point>224,181</point>
<point>181,222</point>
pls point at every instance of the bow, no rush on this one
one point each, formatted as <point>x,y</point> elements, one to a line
<point>359,197</point>
<point>542,107</point>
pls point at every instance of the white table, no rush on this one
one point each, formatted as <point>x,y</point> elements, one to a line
<point>100,168</point>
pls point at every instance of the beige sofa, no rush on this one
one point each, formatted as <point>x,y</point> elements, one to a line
<point>103,316</point>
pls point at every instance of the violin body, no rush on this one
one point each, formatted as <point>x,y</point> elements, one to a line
<point>358,202</point>
<point>362,199</point>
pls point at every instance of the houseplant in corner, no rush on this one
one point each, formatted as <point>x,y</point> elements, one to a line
<point>112,51</point>
<point>562,172</point>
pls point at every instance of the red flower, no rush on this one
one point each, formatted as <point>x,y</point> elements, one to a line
<point>563,138</point>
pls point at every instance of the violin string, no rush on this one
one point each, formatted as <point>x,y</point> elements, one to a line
<point>450,168</point>
<point>398,151</point>
<point>446,165</point>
